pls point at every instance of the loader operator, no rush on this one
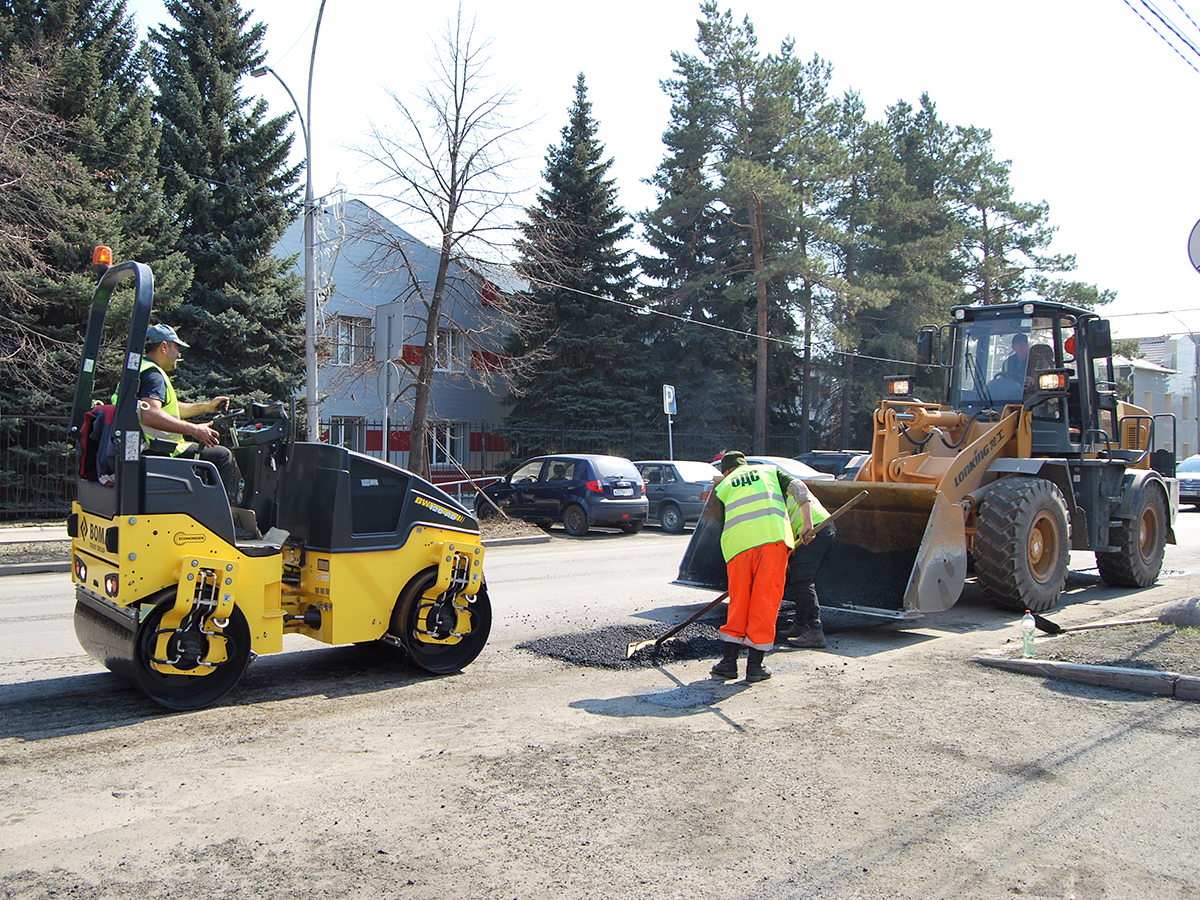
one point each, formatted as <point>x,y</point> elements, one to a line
<point>756,540</point>
<point>1014,366</point>
<point>805,629</point>
<point>162,413</point>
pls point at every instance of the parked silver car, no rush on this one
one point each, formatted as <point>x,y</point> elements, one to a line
<point>677,490</point>
<point>1188,473</point>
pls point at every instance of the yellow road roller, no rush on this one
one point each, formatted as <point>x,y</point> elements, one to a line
<point>331,544</point>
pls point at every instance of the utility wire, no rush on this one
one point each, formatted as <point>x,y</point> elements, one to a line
<point>1167,40</point>
<point>644,309</point>
<point>1170,25</point>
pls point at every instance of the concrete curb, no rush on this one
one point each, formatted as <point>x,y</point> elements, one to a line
<point>1146,681</point>
<point>35,568</point>
<point>518,541</point>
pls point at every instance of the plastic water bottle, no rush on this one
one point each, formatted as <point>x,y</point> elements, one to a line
<point>1028,627</point>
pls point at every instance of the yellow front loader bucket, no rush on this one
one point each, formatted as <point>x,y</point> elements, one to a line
<point>899,552</point>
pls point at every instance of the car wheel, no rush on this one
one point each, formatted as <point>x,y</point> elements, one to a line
<point>575,520</point>
<point>671,519</point>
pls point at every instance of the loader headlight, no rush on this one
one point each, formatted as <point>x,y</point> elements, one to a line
<point>80,571</point>
<point>899,387</point>
<point>1048,382</point>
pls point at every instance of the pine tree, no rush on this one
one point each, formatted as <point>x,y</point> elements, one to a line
<point>710,371</point>
<point>592,364</point>
<point>227,170</point>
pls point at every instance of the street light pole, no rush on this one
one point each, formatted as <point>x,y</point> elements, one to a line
<point>310,286</point>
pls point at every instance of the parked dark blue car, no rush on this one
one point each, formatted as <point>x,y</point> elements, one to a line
<point>579,490</point>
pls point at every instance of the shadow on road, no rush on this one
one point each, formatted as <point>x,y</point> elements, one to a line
<point>97,701</point>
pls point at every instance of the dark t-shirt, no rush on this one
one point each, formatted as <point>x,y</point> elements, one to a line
<point>153,384</point>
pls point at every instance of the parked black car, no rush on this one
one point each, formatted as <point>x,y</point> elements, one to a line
<point>579,490</point>
<point>841,464</point>
<point>677,490</point>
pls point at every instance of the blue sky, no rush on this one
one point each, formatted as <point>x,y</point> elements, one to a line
<point>1094,110</point>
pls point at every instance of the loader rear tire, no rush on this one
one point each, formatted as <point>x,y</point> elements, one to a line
<point>440,659</point>
<point>1143,541</point>
<point>1022,544</point>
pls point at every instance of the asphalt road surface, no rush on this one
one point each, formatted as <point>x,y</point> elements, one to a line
<point>886,766</point>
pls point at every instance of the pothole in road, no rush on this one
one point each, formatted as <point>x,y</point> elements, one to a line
<point>607,648</point>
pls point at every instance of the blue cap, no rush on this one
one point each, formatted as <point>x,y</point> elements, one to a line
<point>156,334</point>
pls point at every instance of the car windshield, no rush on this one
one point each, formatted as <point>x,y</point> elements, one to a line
<point>1191,464</point>
<point>696,471</point>
<point>609,467</point>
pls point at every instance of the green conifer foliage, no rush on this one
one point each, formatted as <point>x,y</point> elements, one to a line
<point>106,186</point>
<point>227,170</point>
<point>590,353</point>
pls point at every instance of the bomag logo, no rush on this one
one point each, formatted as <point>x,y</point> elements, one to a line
<point>182,538</point>
<point>92,532</point>
<point>440,510</point>
<point>744,480</point>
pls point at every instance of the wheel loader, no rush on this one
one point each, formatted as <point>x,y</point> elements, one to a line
<point>177,599</point>
<point>1030,454</point>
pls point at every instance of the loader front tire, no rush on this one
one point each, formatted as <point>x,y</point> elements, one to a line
<point>1143,541</point>
<point>440,659</point>
<point>1022,544</point>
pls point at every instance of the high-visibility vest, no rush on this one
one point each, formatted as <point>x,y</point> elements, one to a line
<point>170,406</point>
<point>755,513</point>
<point>819,513</point>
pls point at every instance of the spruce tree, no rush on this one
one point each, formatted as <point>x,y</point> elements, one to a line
<point>588,356</point>
<point>227,169</point>
<point>91,87</point>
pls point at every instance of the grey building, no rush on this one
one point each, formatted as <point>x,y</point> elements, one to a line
<point>1164,381</point>
<point>372,279</point>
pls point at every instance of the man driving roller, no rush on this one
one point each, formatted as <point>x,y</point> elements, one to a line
<point>163,414</point>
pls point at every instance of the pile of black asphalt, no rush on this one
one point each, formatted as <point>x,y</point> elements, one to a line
<point>607,648</point>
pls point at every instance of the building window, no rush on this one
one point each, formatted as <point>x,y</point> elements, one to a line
<point>352,341</point>
<point>1168,405</point>
<point>1187,403</point>
<point>1149,402</point>
<point>449,443</point>
<point>449,353</point>
<point>349,432</point>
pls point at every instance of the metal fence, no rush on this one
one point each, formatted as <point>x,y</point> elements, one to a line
<point>37,467</point>
<point>487,449</point>
<point>38,462</point>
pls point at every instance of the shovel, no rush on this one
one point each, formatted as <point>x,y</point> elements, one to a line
<point>658,642</point>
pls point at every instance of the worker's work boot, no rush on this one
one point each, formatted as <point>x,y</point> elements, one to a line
<point>809,635</point>
<point>727,667</point>
<point>755,670</point>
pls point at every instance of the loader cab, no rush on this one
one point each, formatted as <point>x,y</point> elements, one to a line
<point>1051,358</point>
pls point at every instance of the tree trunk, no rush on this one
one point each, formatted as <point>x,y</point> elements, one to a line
<point>760,387</point>
<point>418,460</point>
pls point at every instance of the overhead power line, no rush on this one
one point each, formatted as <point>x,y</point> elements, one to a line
<point>1168,26</point>
<point>688,320</point>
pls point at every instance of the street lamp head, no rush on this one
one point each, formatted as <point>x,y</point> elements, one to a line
<point>259,72</point>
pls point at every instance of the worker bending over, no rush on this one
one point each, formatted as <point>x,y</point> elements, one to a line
<point>756,540</point>
<point>805,629</point>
